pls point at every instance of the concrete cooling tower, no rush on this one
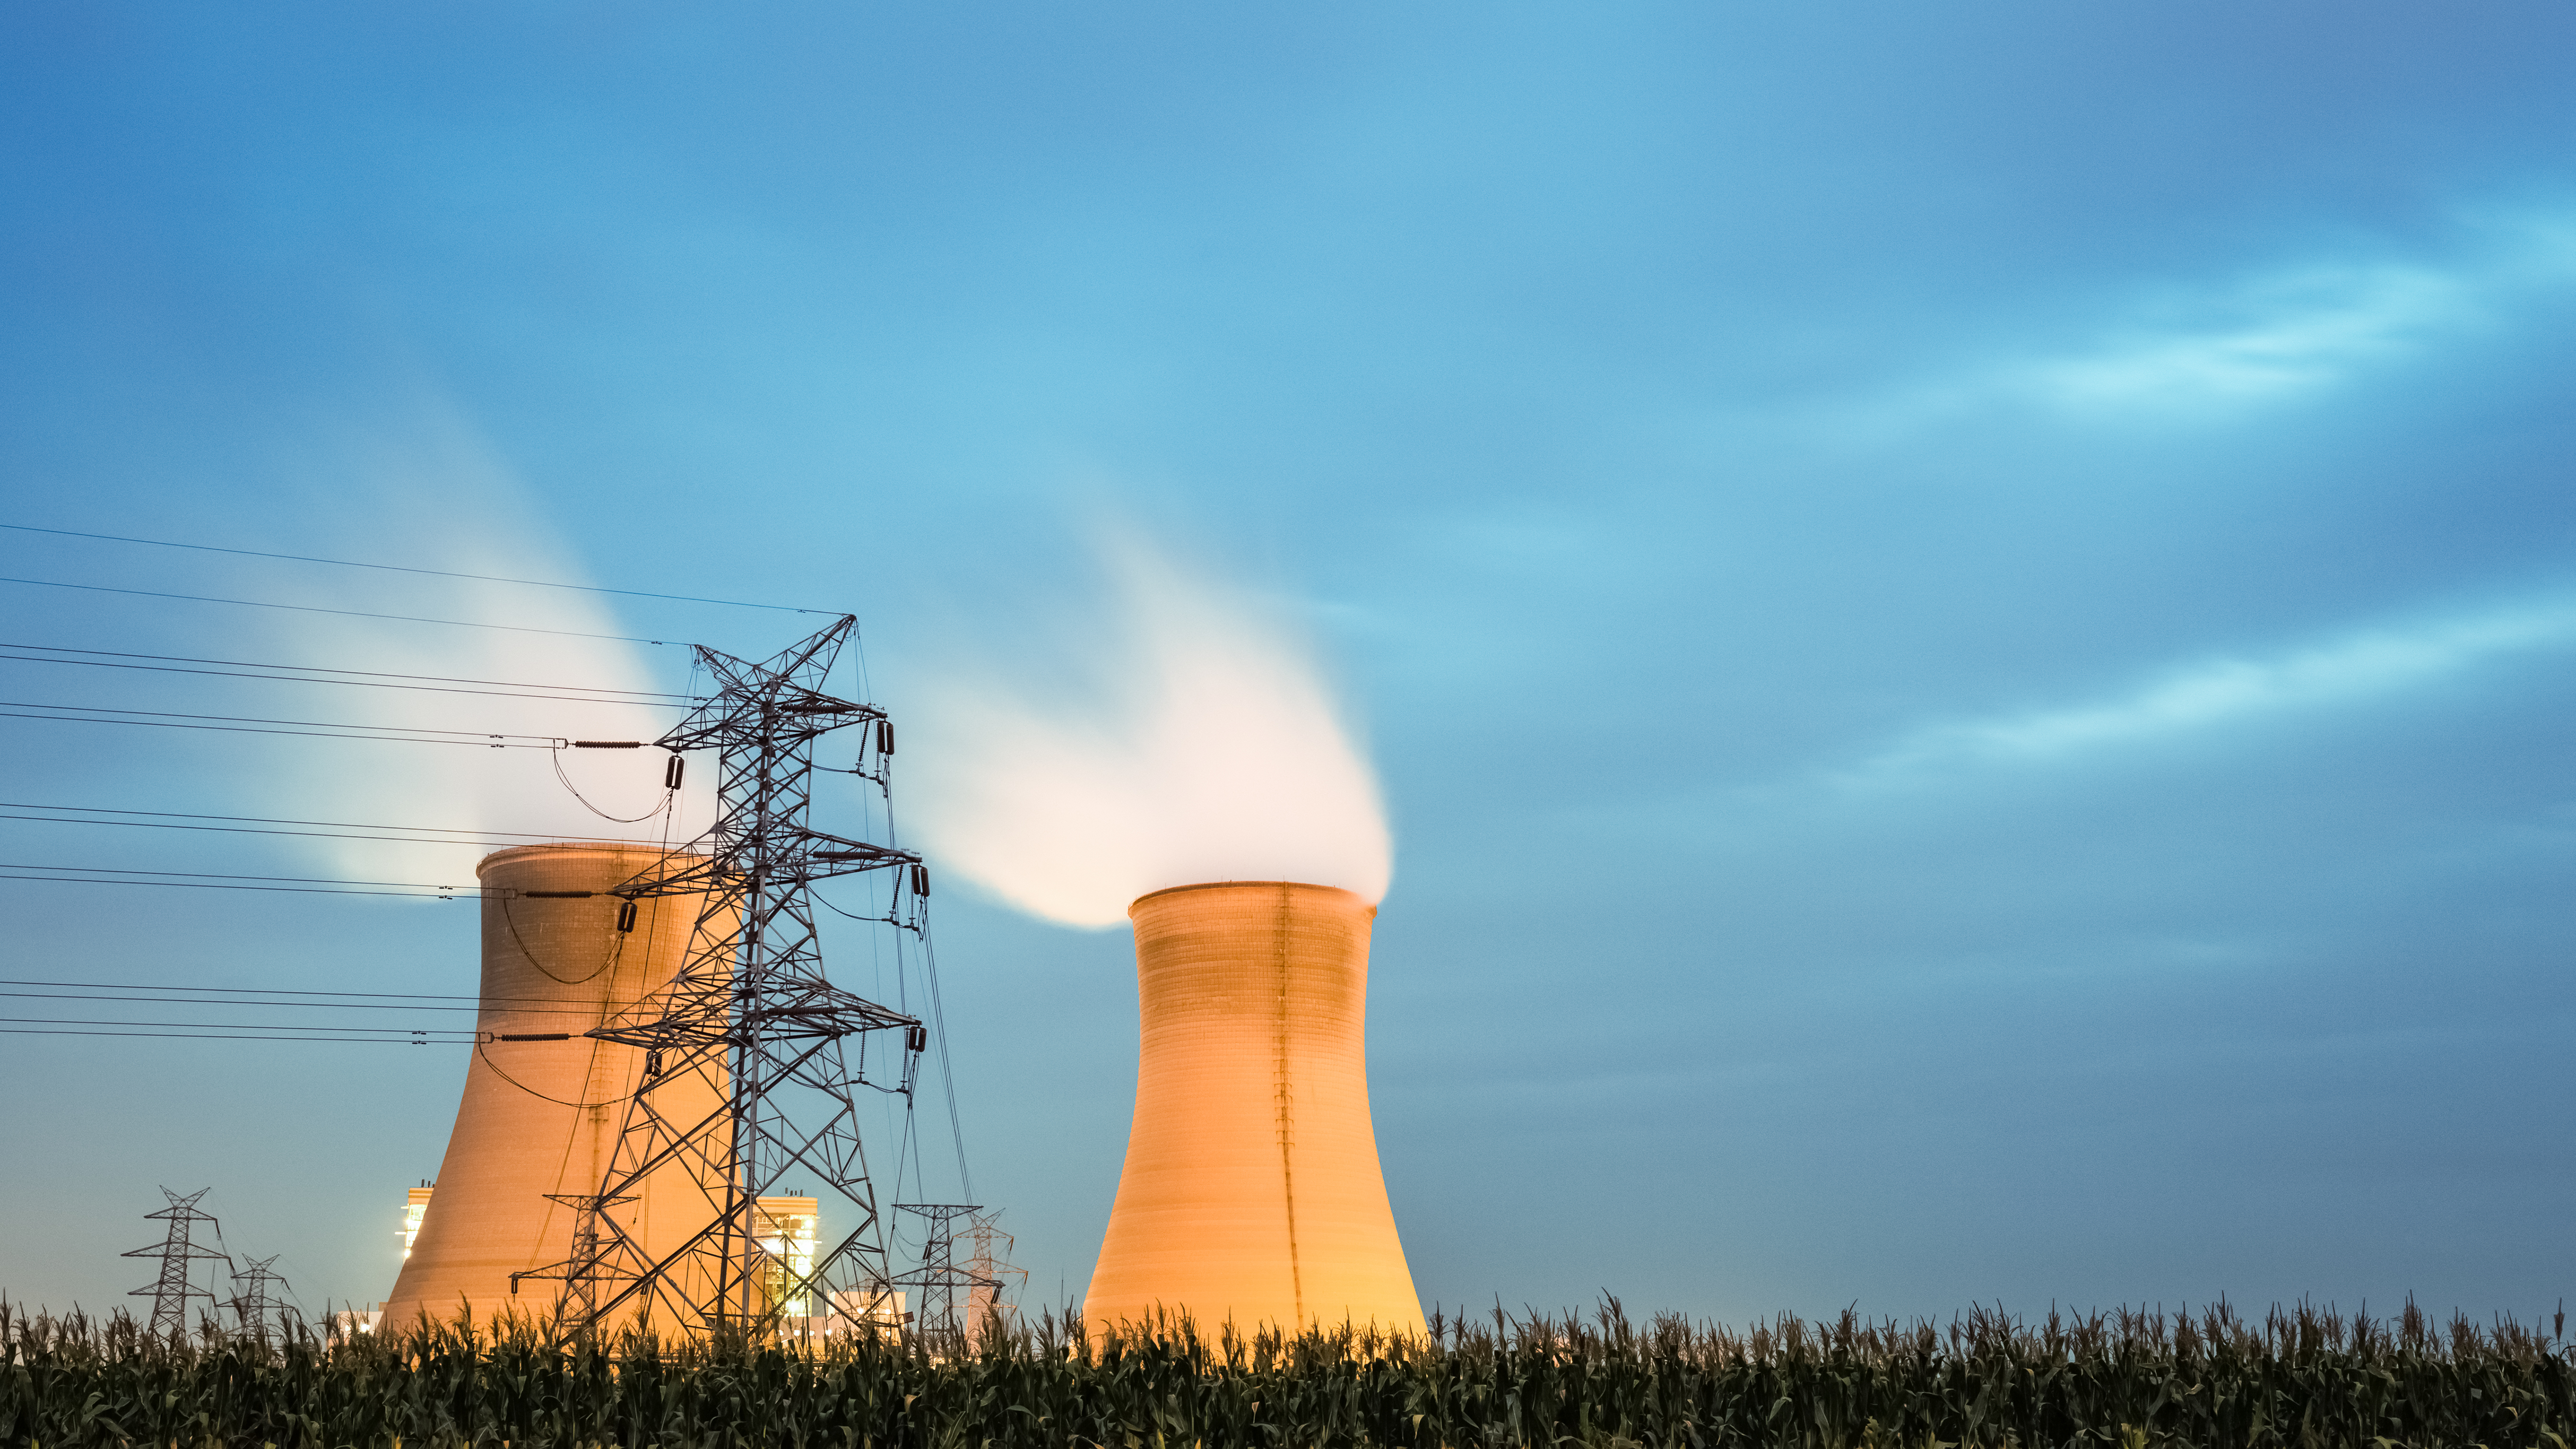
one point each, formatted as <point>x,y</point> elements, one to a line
<point>1252,1190</point>
<point>542,1118</point>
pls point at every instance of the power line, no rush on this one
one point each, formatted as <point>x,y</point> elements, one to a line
<point>431,1040</point>
<point>316,609</point>
<point>297,834</point>
<point>360,683</point>
<point>216,875</point>
<point>591,1011</point>
<point>354,1031</point>
<point>249,725</point>
<point>416,834</point>
<point>401,569</point>
<point>273,991</point>
<point>507,690</point>
<point>366,673</point>
<point>212,880</point>
<point>406,999</point>
<point>196,885</point>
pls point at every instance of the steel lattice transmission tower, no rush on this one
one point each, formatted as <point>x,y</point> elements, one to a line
<point>751,1018</point>
<point>253,1304</point>
<point>936,1281</point>
<point>176,1285</point>
<point>984,1300</point>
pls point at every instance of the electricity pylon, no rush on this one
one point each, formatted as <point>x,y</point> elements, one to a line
<point>253,1304</point>
<point>936,1281</point>
<point>751,1018</point>
<point>176,1285</point>
<point>984,1300</point>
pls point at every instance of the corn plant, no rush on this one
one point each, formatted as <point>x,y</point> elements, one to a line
<point>2299,1377</point>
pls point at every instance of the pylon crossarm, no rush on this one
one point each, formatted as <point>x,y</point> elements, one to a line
<point>705,874</point>
<point>850,857</point>
<point>685,998</point>
<point>822,857</point>
<point>834,1015</point>
<point>832,1019</point>
<point>775,685</point>
<point>670,1033</point>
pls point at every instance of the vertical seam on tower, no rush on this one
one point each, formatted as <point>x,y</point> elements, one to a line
<point>1287,1122</point>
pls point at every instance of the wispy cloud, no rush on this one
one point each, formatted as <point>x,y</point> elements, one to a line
<point>2213,693</point>
<point>2295,329</point>
<point>2291,334</point>
<point>2218,348</point>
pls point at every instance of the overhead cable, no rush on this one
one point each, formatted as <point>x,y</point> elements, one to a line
<point>316,609</point>
<point>457,830</point>
<point>312,675</point>
<point>393,1000</point>
<point>274,991</point>
<point>303,728</point>
<point>603,689</point>
<point>401,569</point>
<point>247,825</point>
<point>430,1040</point>
<point>216,875</point>
<point>591,1011</point>
<point>224,886</point>
<point>440,1031</point>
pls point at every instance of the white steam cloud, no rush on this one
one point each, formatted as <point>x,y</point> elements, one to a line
<point>452,507</point>
<point>1201,745</point>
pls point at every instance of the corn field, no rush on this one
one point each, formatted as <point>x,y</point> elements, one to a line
<point>2299,1377</point>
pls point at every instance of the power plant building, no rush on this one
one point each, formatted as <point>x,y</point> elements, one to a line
<point>415,1209</point>
<point>539,1120</point>
<point>1252,1190</point>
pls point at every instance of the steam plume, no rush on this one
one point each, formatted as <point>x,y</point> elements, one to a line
<point>1206,747</point>
<point>469,517</point>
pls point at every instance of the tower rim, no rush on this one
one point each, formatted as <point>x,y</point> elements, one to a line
<point>1216,885</point>
<point>509,854</point>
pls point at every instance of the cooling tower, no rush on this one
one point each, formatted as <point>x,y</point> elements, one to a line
<point>1252,1190</point>
<point>542,1117</point>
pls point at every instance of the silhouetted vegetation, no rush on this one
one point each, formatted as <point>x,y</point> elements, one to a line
<point>2298,1377</point>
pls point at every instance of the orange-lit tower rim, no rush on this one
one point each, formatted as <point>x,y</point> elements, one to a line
<point>640,849</point>
<point>1218,885</point>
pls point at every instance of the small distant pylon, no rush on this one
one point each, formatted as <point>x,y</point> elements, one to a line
<point>936,1281</point>
<point>253,1304</point>
<point>984,1303</point>
<point>172,1290</point>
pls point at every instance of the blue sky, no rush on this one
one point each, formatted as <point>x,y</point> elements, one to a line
<point>1966,615</point>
